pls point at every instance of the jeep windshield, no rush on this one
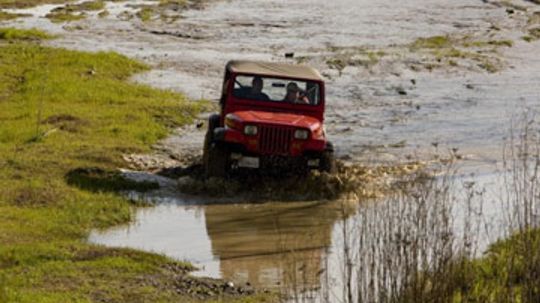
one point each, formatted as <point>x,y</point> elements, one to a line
<point>268,89</point>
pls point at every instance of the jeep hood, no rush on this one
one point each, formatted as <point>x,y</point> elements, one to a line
<point>284,119</point>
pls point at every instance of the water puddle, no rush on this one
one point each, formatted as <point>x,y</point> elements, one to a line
<point>305,248</point>
<point>243,243</point>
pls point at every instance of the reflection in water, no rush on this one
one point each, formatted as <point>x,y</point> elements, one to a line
<point>274,243</point>
<point>267,245</point>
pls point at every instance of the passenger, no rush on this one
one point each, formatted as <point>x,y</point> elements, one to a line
<point>256,90</point>
<point>294,94</point>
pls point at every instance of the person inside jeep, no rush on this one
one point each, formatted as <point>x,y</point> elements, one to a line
<point>256,90</point>
<point>294,94</point>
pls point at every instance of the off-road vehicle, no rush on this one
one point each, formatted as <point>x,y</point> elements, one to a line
<point>271,115</point>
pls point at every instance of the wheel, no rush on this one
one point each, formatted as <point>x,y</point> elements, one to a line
<point>217,161</point>
<point>215,154</point>
<point>328,163</point>
<point>213,122</point>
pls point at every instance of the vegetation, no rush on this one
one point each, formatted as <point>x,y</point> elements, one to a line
<point>534,34</point>
<point>510,272</point>
<point>26,3</point>
<point>74,12</point>
<point>145,14</point>
<point>66,118</point>
<point>432,42</point>
<point>12,34</point>
<point>352,57</point>
<point>418,256</point>
<point>62,15</point>
<point>471,52</point>
<point>167,10</point>
<point>5,16</point>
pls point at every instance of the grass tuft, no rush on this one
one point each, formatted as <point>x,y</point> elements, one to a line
<point>11,34</point>
<point>5,16</point>
<point>432,42</point>
<point>145,14</point>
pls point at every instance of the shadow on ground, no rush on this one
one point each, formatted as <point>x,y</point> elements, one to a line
<point>96,179</point>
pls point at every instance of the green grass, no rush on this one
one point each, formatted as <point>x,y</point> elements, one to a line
<point>66,119</point>
<point>5,16</point>
<point>447,50</point>
<point>74,12</point>
<point>61,16</point>
<point>11,34</point>
<point>509,272</point>
<point>92,5</point>
<point>432,42</point>
<point>145,14</point>
<point>26,3</point>
<point>495,43</point>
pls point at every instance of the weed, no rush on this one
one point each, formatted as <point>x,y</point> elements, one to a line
<point>59,16</point>
<point>145,14</point>
<point>12,34</point>
<point>5,16</point>
<point>74,12</point>
<point>432,42</point>
<point>534,33</point>
<point>25,3</point>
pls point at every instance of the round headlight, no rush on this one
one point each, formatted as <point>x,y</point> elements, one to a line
<point>301,134</point>
<point>231,121</point>
<point>250,130</point>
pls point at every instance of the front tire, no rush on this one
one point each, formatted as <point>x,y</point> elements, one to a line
<point>217,161</point>
<point>215,157</point>
<point>328,162</point>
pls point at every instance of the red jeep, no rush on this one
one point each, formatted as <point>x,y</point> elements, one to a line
<point>271,116</point>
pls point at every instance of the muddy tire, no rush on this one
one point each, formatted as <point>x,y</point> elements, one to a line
<point>328,162</point>
<point>213,122</point>
<point>217,161</point>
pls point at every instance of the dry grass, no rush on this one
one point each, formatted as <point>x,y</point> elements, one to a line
<point>420,245</point>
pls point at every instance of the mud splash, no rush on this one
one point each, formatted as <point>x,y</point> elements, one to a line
<point>360,181</point>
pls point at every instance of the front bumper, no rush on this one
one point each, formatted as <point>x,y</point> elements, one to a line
<point>240,160</point>
<point>252,144</point>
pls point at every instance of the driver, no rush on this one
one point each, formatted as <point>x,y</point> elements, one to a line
<point>294,94</point>
<point>256,90</point>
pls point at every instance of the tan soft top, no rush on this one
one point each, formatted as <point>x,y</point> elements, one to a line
<point>282,70</point>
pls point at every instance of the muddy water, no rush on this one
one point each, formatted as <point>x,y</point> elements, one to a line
<point>388,113</point>
<point>260,244</point>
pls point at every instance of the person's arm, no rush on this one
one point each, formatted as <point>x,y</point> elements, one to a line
<point>302,100</point>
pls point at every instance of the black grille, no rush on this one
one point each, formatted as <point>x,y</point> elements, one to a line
<point>275,140</point>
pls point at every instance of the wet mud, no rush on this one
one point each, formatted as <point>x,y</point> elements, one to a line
<point>362,182</point>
